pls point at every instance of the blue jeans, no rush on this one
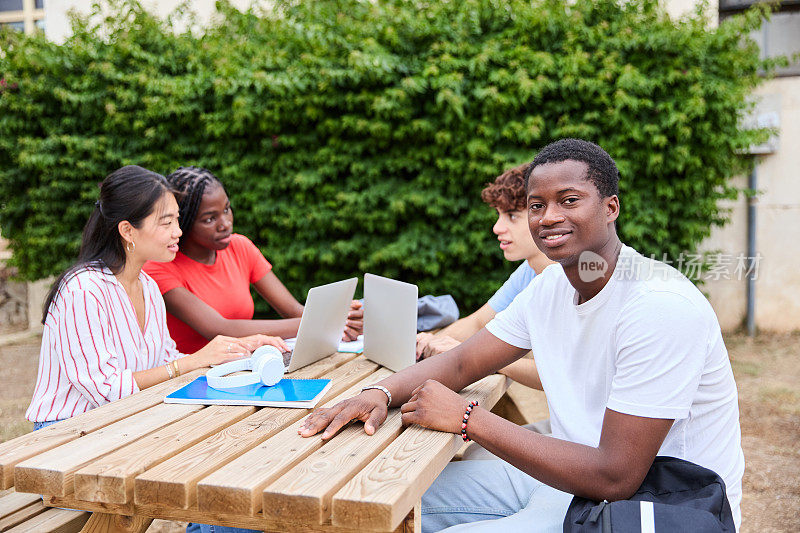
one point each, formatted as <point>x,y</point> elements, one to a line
<point>39,425</point>
<point>205,528</point>
<point>483,496</point>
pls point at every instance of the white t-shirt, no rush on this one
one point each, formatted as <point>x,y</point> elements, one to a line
<point>648,344</point>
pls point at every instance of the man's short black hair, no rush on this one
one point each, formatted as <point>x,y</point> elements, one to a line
<point>602,170</point>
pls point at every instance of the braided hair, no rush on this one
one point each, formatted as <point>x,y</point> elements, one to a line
<point>190,184</point>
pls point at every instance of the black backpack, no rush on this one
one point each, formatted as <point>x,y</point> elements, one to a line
<point>676,495</point>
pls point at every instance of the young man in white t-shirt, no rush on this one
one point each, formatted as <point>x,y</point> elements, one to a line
<point>629,353</point>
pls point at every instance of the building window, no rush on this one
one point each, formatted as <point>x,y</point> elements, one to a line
<point>15,25</point>
<point>23,15</point>
<point>779,36</point>
<point>10,5</point>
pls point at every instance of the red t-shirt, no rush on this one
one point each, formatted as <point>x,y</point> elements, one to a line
<point>225,285</point>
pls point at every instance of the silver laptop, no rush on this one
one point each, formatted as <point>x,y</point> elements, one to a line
<point>390,322</point>
<point>322,323</point>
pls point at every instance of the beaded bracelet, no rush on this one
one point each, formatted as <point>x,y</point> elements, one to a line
<point>466,419</point>
<point>170,372</point>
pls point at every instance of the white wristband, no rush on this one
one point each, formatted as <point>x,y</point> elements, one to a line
<point>385,391</point>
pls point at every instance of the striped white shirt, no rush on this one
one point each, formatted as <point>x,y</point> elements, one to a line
<point>92,344</point>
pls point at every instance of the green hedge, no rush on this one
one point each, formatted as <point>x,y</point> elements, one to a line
<point>355,136</point>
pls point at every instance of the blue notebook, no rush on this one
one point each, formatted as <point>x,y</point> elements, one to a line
<point>295,393</point>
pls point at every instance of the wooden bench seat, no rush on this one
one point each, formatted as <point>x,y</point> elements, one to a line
<point>21,512</point>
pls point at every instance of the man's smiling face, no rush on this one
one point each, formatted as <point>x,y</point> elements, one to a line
<point>566,213</point>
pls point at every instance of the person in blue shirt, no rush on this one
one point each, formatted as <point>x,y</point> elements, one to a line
<point>507,196</point>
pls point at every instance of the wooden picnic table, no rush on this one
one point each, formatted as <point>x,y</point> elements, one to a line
<point>138,458</point>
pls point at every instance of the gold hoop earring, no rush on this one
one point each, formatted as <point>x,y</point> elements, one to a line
<point>130,246</point>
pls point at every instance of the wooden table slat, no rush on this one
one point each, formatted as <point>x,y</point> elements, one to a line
<point>193,514</point>
<point>110,478</point>
<point>112,523</point>
<point>37,442</point>
<point>237,487</point>
<point>21,515</point>
<point>381,495</point>
<point>14,501</point>
<point>52,471</point>
<point>53,521</point>
<point>304,493</point>
<point>321,368</point>
<point>174,481</point>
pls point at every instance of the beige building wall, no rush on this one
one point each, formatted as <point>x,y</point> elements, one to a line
<point>5,253</point>
<point>14,302</point>
<point>777,286</point>
<point>728,296</point>
<point>778,216</point>
<point>678,8</point>
<point>20,302</point>
<point>57,25</point>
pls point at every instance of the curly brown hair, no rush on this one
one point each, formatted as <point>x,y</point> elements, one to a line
<point>507,191</point>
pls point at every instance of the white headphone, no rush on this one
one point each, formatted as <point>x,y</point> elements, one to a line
<point>266,364</point>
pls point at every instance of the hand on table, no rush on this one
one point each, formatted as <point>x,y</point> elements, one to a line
<point>222,348</point>
<point>429,344</point>
<point>255,341</point>
<point>355,322</point>
<point>434,406</point>
<point>369,407</point>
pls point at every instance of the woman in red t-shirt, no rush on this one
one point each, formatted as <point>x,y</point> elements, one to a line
<point>207,287</point>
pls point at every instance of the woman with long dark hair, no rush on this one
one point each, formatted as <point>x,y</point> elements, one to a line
<point>207,287</point>
<point>105,334</point>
